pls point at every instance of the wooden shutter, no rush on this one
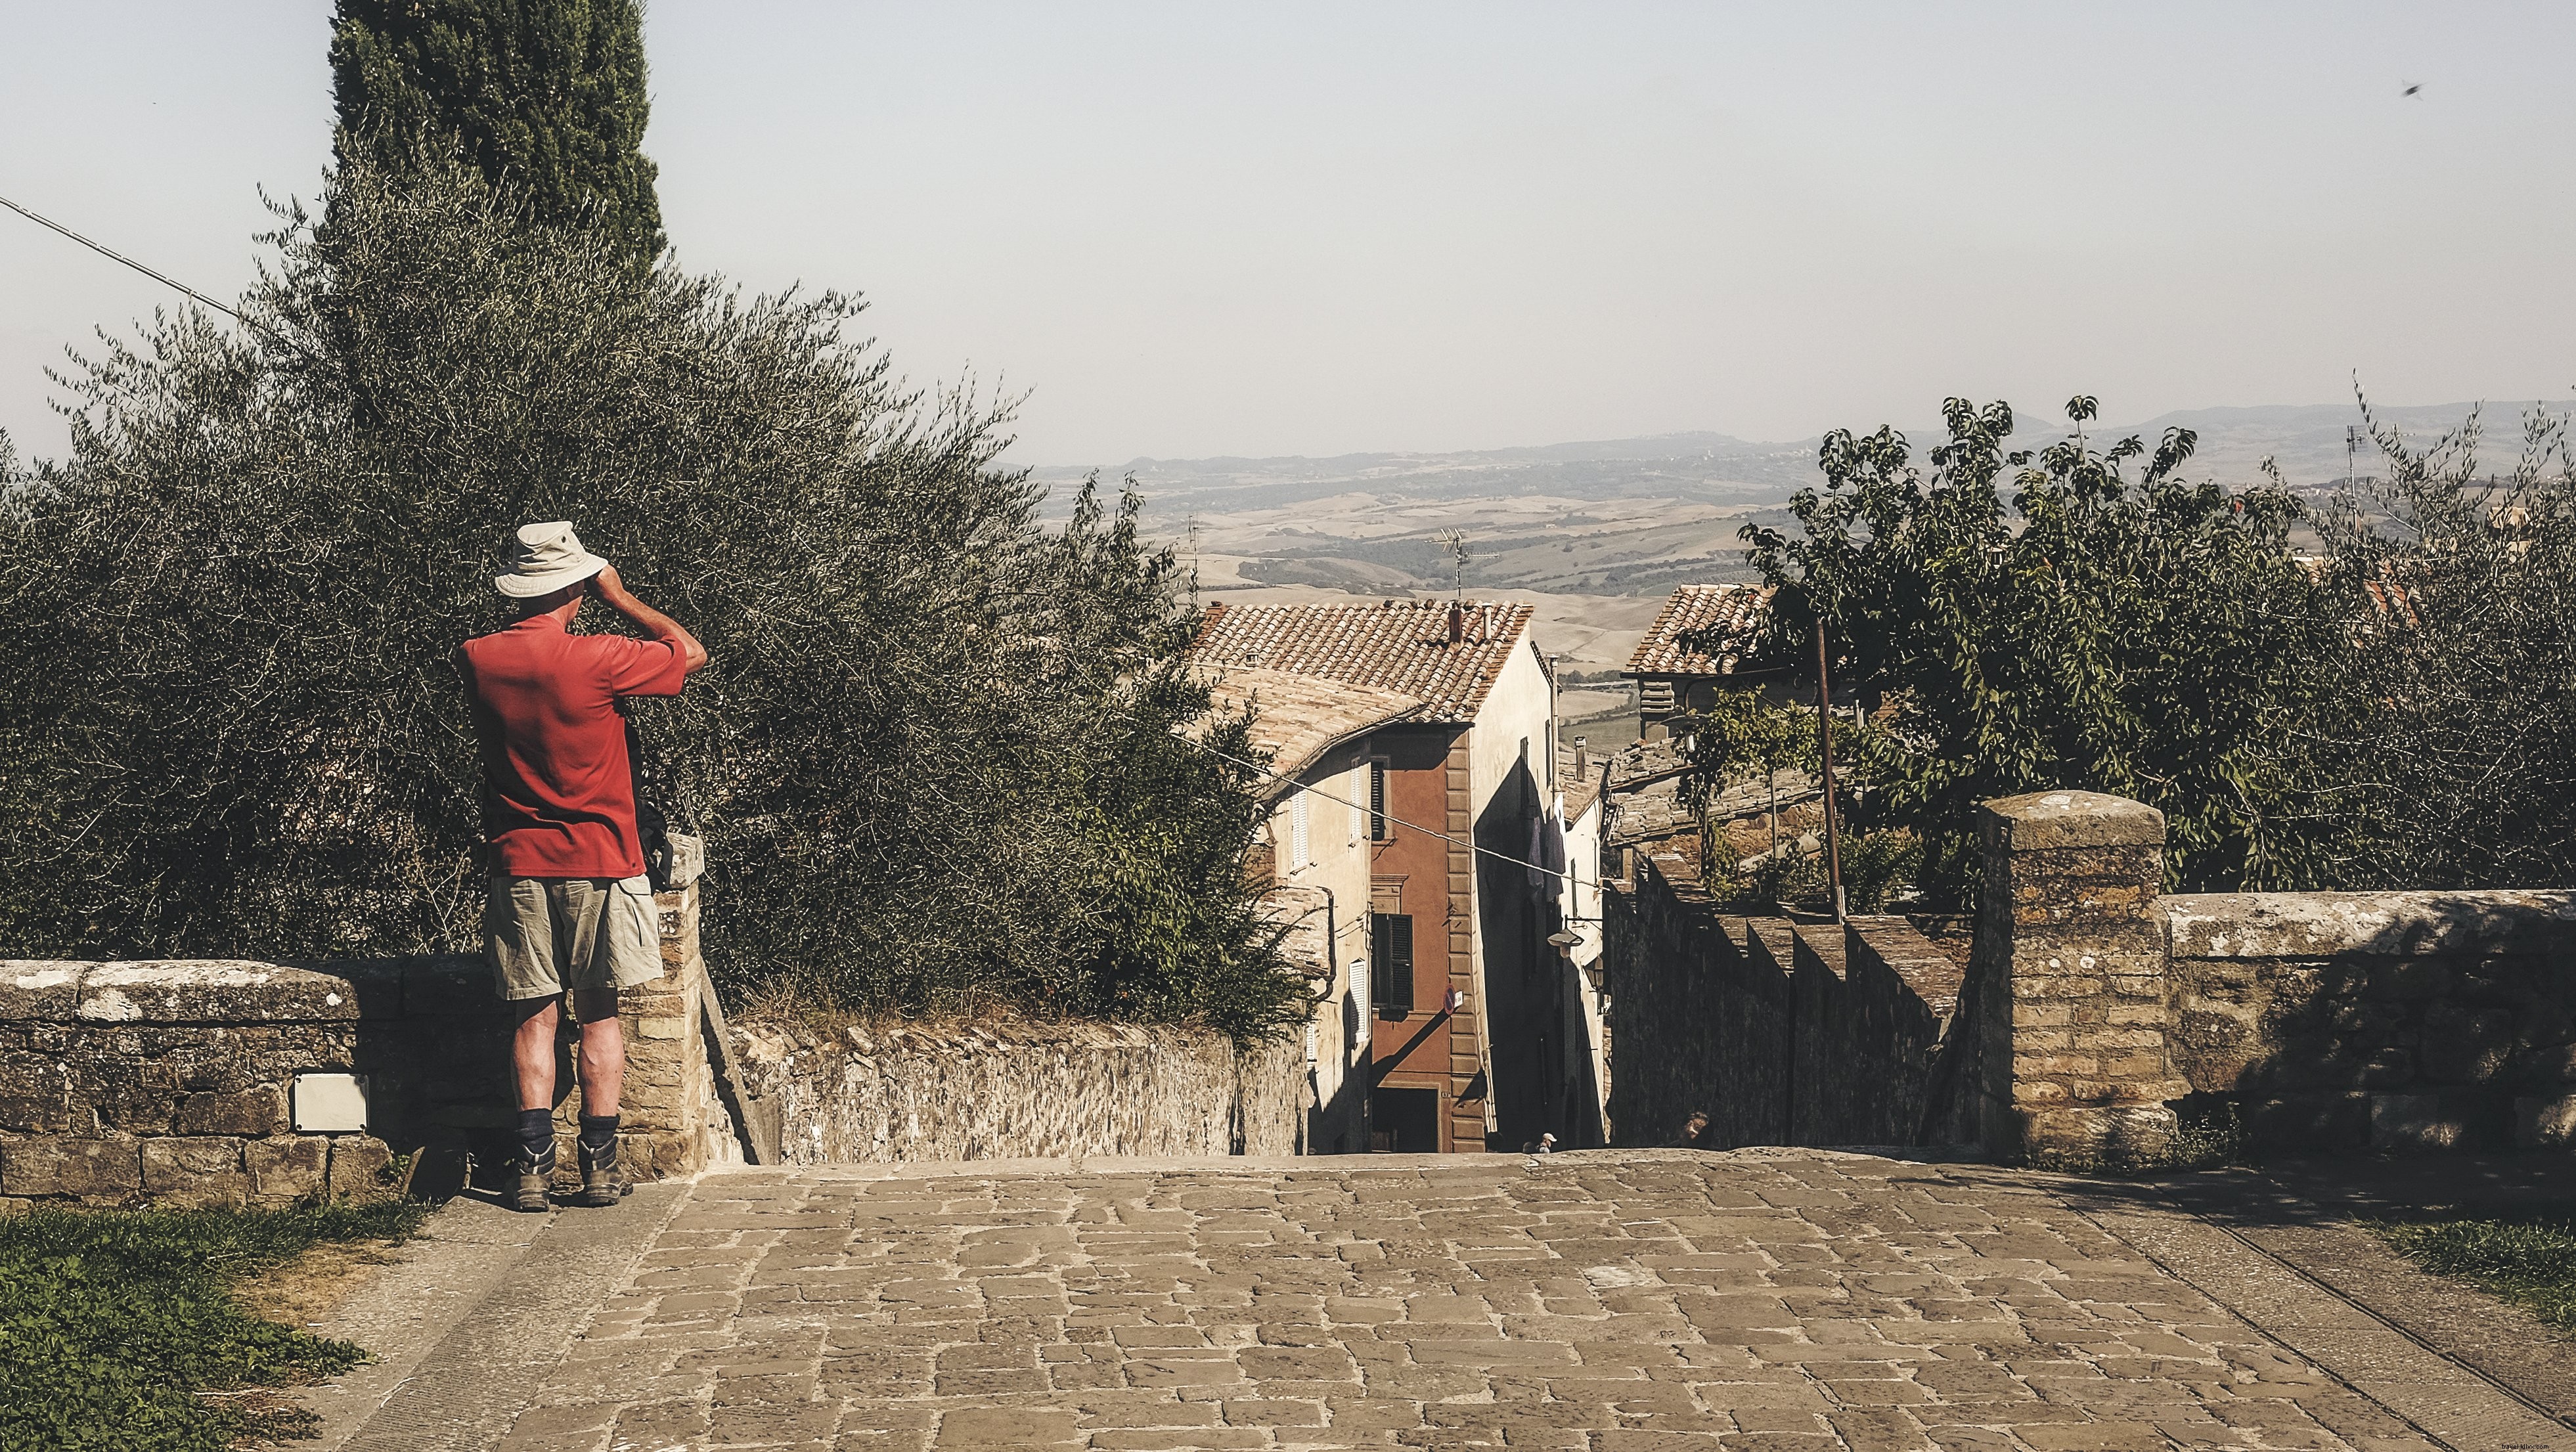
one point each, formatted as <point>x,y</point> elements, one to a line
<point>1391,961</point>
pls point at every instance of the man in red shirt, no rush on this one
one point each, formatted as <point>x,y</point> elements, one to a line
<point>569,905</point>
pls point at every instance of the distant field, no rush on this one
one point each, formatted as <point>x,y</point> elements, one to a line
<point>1596,535</point>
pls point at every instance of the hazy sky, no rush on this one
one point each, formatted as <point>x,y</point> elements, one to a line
<point>1313,229</point>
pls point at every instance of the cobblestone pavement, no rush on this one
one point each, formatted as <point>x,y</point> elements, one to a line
<point>1788,1299</point>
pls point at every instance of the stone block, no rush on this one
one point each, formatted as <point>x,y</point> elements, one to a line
<point>454,985</point>
<point>2423,1122</point>
<point>49,1167</point>
<point>251,1114</point>
<point>128,1093</point>
<point>195,1170</point>
<point>2307,1124</point>
<point>2127,1134</point>
<point>217,990</point>
<point>35,1095</point>
<point>2544,1122</point>
<point>2465,1045</point>
<point>357,1168</point>
<point>2411,979</point>
<point>287,1168</point>
<point>687,862</point>
<point>38,988</point>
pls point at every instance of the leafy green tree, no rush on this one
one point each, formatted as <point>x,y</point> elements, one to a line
<point>2139,635</point>
<point>2452,733</point>
<point>1739,735</point>
<point>546,97</point>
<point>937,757</point>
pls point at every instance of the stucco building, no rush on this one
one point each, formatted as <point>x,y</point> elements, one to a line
<point>1449,1027</point>
<point>1673,678</point>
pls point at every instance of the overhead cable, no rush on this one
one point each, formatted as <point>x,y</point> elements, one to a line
<point>165,279</point>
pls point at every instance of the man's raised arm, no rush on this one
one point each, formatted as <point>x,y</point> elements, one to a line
<point>613,593</point>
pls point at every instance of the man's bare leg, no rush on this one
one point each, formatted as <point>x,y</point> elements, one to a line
<point>603,1074</point>
<point>532,1050</point>
<point>603,1051</point>
<point>532,1058</point>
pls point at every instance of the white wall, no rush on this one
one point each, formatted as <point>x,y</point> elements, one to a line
<point>1520,707</point>
<point>1333,884</point>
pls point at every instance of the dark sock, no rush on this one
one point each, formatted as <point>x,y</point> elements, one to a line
<point>598,1134</point>
<point>537,1134</point>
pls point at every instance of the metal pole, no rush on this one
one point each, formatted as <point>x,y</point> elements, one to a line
<point>1825,743</point>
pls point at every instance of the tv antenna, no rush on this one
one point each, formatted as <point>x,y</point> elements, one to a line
<point>1453,542</point>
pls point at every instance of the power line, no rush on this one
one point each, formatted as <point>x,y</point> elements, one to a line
<point>1567,873</point>
<point>165,279</point>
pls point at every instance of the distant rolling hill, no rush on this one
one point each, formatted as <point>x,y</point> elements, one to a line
<point>1600,528</point>
<point>2307,441</point>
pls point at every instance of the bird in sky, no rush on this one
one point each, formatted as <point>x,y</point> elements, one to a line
<point>2411,90</point>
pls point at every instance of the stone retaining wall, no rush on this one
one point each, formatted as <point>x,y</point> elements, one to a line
<point>2400,1020</point>
<point>2326,1021</point>
<point>268,1083</point>
<point>1781,1032</point>
<point>1015,1090</point>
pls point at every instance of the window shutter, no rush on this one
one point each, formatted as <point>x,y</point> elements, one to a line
<point>1377,801</point>
<point>1297,855</point>
<point>1391,961</point>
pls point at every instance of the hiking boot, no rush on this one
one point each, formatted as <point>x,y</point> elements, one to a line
<point>535,1178</point>
<point>602,1182</point>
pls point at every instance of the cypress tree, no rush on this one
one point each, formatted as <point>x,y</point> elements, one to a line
<point>545,96</point>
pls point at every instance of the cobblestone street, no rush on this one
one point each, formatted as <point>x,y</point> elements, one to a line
<point>1787,1299</point>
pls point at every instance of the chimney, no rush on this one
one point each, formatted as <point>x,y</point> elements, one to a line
<point>1457,622</point>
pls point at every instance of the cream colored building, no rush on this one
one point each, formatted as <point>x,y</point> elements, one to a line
<point>1443,981</point>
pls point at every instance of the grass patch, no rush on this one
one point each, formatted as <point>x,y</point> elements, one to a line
<point>2531,1263</point>
<point>119,1329</point>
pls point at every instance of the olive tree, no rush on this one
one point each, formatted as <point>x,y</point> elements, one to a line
<point>938,758</point>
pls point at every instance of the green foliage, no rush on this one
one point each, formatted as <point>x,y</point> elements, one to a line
<point>2531,1263</point>
<point>1876,866</point>
<point>936,757</point>
<point>1742,735</point>
<point>548,98</point>
<point>113,1322</point>
<point>2143,636</point>
<point>2452,743</point>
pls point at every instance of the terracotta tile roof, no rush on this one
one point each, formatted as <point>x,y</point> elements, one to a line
<point>1736,609</point>
<point>1298,718</point>
<point>1397,645</point>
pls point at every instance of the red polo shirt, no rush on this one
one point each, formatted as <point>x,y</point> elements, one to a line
<point>560,791</point>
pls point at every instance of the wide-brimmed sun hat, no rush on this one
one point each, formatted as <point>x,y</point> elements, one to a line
<point>546,558</point>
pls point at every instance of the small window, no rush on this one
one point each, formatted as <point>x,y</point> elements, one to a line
<point>1391,962</point>
<point>1377,802</point>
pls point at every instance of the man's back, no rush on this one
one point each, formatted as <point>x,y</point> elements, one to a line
<point>562,791</point>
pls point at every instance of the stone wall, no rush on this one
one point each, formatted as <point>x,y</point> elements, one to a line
<point>1015,1090</point>
<point>267,1083</point>
<point>2394,1021</point>
<point>2327,1022</point>
<point>1781,1032</point>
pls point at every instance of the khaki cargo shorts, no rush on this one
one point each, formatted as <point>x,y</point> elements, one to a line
<point>546,934</point>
